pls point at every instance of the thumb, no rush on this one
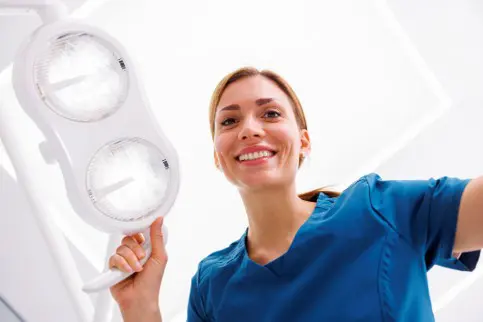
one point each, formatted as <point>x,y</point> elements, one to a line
<point>157,240</point>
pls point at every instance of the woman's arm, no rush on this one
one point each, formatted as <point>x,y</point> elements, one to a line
<point>469,232</point>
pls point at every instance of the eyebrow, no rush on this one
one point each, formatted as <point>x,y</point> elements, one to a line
<point>259,102</point>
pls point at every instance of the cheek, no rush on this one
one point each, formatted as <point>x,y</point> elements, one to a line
<point>285,135</point>
<point>222,144</point>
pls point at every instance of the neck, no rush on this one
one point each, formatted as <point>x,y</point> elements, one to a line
<point>274,216</point>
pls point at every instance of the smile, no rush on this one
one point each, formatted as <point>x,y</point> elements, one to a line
<point>255,155</point>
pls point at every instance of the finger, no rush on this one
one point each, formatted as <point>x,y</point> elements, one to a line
<point>130,257</point>
<point>134,246</point>
<point>139,238</point>
<point>157,241</point>
<point>117,261</point>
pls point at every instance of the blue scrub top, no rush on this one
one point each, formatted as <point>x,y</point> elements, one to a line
<point>362,256</point>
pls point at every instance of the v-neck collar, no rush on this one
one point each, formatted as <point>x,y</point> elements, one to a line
<point>275,267</point>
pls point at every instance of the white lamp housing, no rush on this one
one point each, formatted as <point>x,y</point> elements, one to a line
<point>48,10</point>
<point>73,142</point>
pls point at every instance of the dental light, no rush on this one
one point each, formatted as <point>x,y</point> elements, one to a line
<point>78,84</point>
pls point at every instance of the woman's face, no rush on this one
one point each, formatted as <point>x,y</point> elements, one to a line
<point>257,140</point>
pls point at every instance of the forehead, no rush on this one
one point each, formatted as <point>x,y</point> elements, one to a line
<point>249,89</point>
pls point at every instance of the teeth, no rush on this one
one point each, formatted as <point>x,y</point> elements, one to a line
<point>255,155</point>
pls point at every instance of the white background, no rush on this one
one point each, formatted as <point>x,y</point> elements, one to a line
<point>392,87</point>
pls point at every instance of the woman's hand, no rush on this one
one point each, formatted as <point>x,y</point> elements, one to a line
<point>139,294</point>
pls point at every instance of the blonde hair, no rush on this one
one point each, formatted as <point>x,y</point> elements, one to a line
<point>287,89</point>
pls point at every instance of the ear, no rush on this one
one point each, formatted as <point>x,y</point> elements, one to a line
<point>305,146</point>
<point>217,160</point>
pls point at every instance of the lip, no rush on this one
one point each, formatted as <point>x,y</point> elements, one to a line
<point>253,149</point>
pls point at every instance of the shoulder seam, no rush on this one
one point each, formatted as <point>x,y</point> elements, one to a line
<point>389,224</point>
<point>233,255</point>
<point>200,294</point>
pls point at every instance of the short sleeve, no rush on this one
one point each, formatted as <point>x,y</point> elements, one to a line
<point>466,262</point>
<point>425,213</point>
<point>196,311</point>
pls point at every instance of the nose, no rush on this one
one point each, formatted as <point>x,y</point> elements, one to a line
<point>251,129</point>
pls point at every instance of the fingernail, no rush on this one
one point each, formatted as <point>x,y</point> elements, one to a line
<point>138,266</point>
<point>141,254</point>
<point>128,268</point>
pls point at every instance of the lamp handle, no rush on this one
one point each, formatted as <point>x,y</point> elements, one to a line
<point>113,276</point>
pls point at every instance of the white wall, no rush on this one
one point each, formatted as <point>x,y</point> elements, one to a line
<point>28,277</point>
<point>358,76</point>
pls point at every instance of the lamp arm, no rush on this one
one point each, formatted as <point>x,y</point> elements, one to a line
<point>48,10</point>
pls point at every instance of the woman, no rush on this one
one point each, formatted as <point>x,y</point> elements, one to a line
<point>362,255</point>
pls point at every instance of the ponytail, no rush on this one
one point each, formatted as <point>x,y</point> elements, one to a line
<point>313,194</point>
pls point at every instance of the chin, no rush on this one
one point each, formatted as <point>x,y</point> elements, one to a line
<point>260,181</point>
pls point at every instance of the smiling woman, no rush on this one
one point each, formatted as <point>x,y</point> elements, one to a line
<point>359,255</point>
<point>280,107</point>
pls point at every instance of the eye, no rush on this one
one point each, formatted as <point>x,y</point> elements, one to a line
<point>228,121</point>
<point>272,114</point>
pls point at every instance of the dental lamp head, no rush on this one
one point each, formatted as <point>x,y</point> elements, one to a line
<point>79,85</point>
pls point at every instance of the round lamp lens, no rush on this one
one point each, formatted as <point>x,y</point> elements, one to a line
<point>127,180</point>
<point>81,77</point>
